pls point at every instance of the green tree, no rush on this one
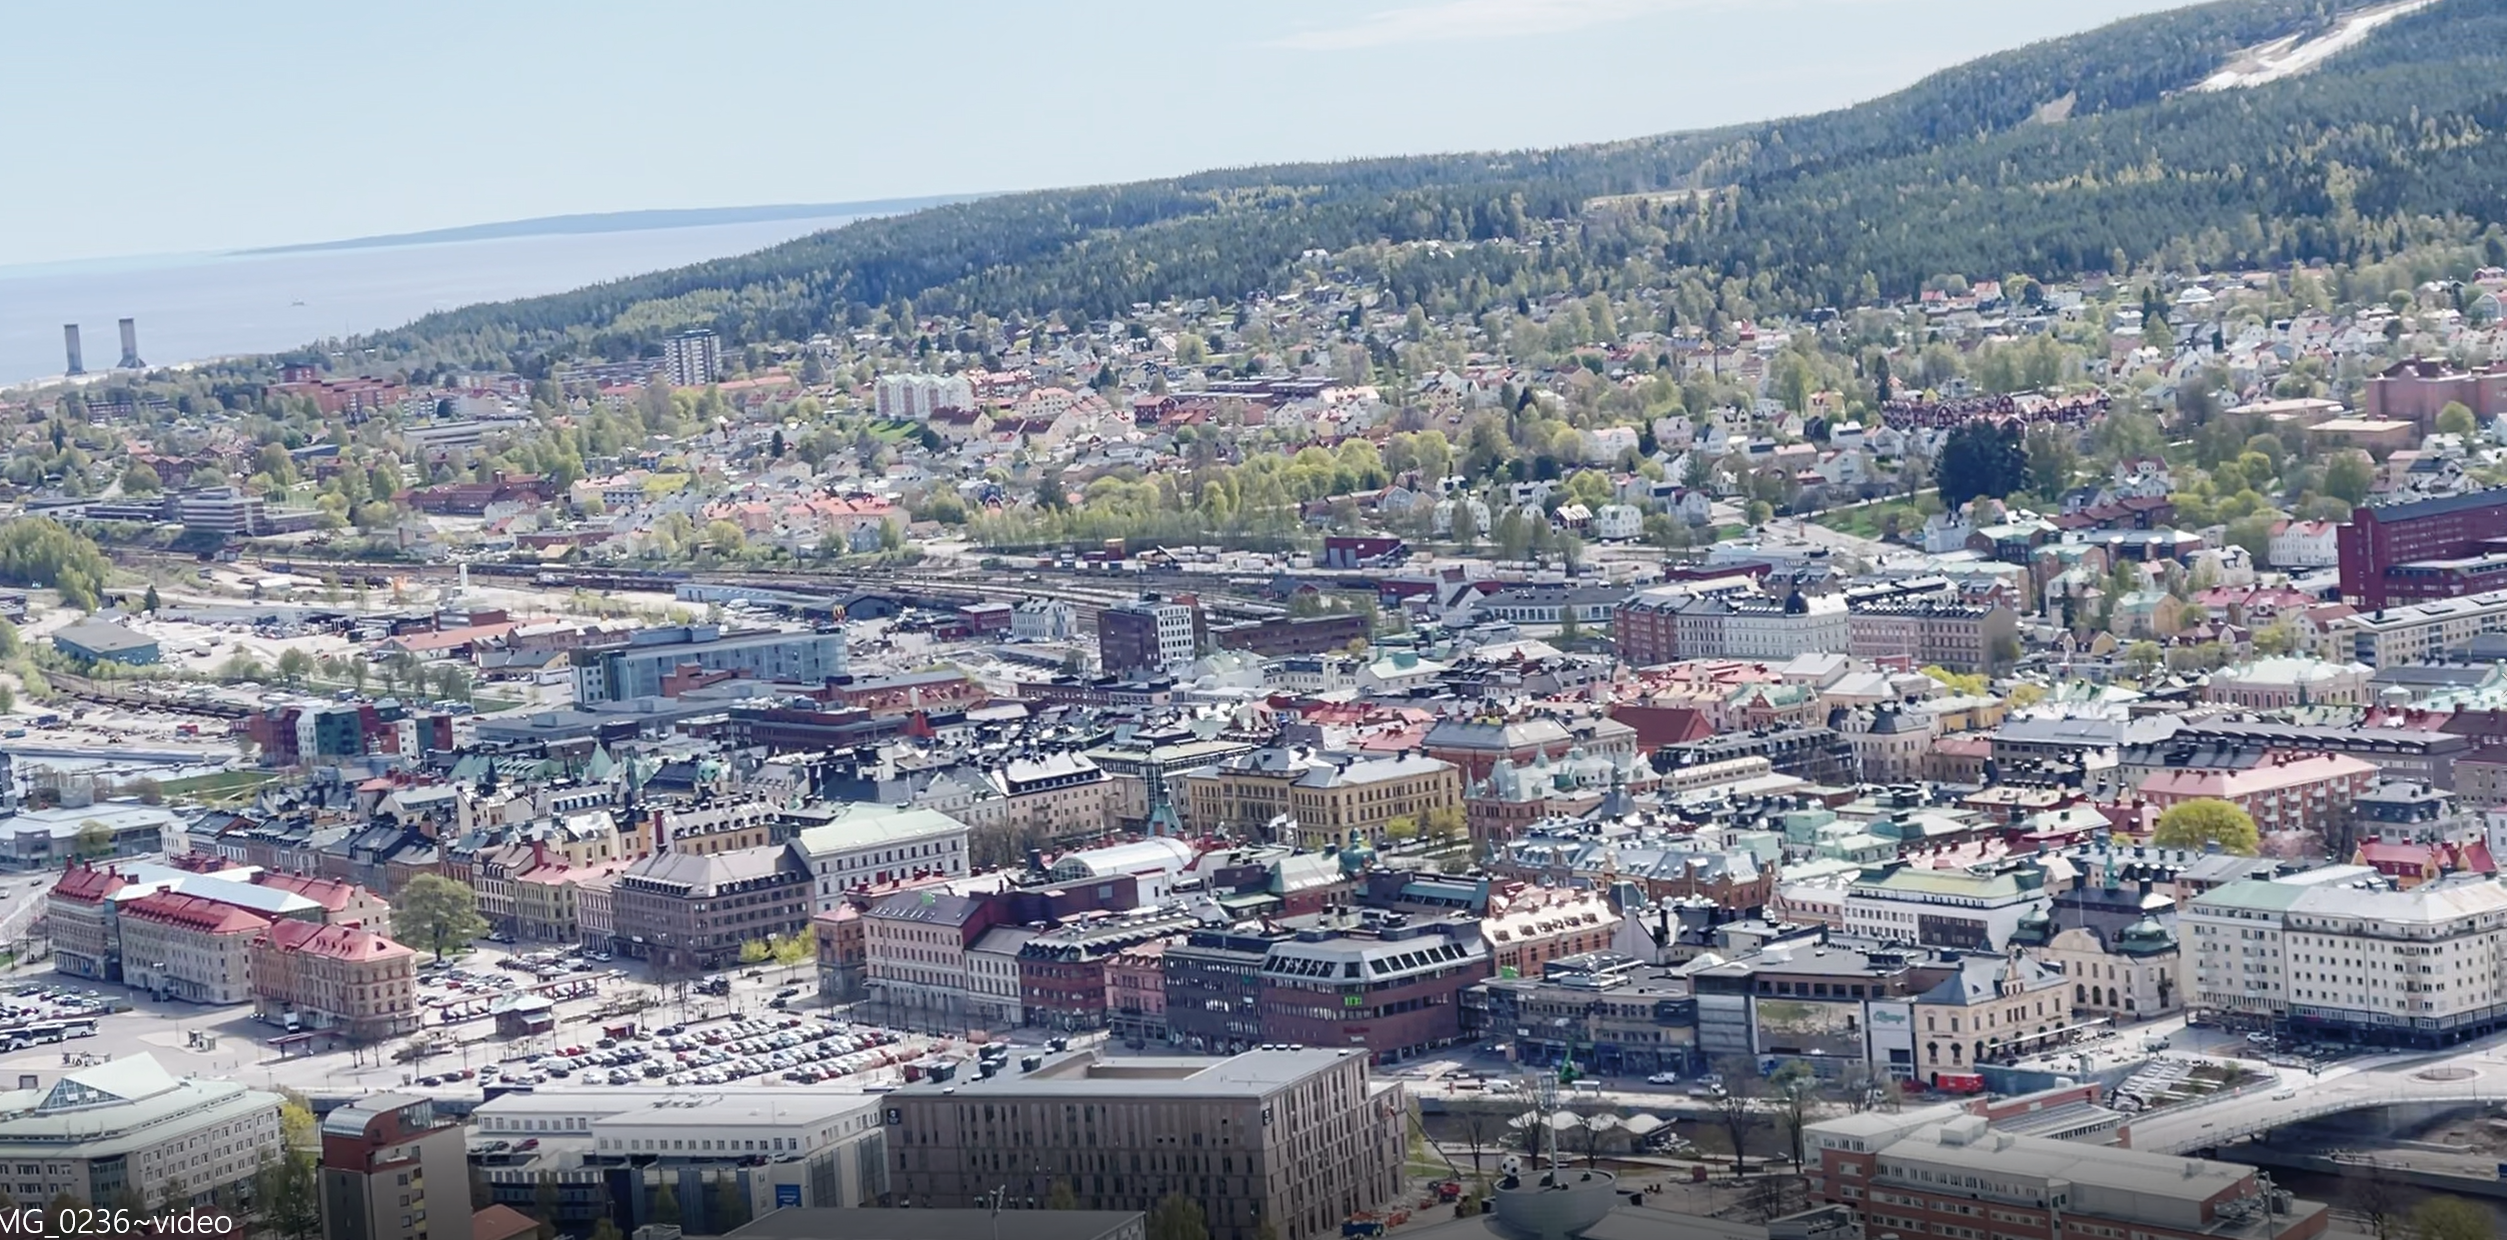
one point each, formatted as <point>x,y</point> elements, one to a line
<point>727,1208</point>
<point>792,949</point>
<point>437,911</point>
<point>1982,458</point>
<point>2144,657</point>
<point>666,1204</point>
<point>604,1229</point>
<point>2455,419</point>
<point>2450,1218</point>
<point>294,665</point>
<point>1061,1197</point>
<point>297,1128</point>
<point>2205,821</point>
<point>544,1204</point>
<point>285,1198</point>
<point>1178,1217</point>
<point>1794,1088</point>
<point>2348,474</point>
<point>94,839</point>
<point>755,951</point>
<point>149,602</point>
<point>41,552</point>
<point>139,479</point>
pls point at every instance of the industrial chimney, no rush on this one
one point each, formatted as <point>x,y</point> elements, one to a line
<point>69,337</point>
<point>130,346</point>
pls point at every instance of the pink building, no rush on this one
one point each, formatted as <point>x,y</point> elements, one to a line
<point>2284,792</point>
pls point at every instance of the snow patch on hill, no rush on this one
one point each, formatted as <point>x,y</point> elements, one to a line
<point>2290,57</point>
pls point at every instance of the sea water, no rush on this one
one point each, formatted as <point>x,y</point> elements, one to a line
<point>197,306</point>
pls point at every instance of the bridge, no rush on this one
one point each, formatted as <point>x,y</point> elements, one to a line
<point>2466,1078</point>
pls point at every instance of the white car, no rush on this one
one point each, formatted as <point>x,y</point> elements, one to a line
<point>1663,1078</point>
<point>2284,1095</point>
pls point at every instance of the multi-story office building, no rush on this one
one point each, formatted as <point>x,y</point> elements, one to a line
<point>1608,1012</point>
<point>130,1126</point>
<point>916,946</point>
<point>1150,635</point>
<point>692,359</point>
<point>1940,1171</point>
<point>1066,974</point>
<point>2332,953</point>
<point>1388,984</point>
<point>1974,909</point>
<point>1298,1140</point>
<point>637,667</point>
<point>755,1150</point>
<point>1838,1010</point>
<point>78,914</point>
<point>185,947</point>
<point>334,977</point>
<point>2397,553</point>
<point>389,1162</point>
<point>2416,632</point>
<point>684,911</point>
<point>1214,988</point>
<point>874,845</point>
<point>1330,798</point>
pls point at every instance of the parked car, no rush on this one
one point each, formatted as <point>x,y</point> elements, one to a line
<point>1663,1078</point>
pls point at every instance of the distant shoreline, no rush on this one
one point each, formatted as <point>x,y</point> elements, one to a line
<point>620,221</point>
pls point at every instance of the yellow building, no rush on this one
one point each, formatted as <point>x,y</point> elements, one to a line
<point>1993,1008</point>
<point>1329,799</point>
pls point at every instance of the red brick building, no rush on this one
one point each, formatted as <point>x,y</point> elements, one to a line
<point>2408,553</point>
<point>1385,983</point>
<point>2416,390</point>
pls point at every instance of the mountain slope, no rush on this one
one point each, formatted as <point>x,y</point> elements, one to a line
<point>1962,172</point>
<point>619,221</point>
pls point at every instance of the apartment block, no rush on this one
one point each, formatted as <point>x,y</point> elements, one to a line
<point>2335,953</point>
<point>1298,1139</point>
<point>2284,792</point>
<point>389,1161</point>
<point>343,978</point>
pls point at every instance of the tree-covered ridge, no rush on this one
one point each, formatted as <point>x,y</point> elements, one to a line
<point>1966,171</point>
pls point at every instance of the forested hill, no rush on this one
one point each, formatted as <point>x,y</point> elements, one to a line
<point>2066,156</point>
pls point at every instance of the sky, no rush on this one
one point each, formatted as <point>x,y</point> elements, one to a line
<point>160,127</point>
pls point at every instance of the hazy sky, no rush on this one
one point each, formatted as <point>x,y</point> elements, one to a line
<point>151,127</point>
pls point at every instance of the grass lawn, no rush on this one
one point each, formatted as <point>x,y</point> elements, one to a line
<point>221,786</point>
<point>1864,520</point>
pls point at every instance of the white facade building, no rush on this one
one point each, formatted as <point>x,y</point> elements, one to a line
<point>917,397</point>
<point>692,359</point>
<point>1044,620</point>
<point>2337,950</point>
<point>876,845</point>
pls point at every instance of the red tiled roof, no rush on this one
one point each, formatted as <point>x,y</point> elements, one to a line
<point>332,894</point>
<point>87,884</point>
<point>194,913</point>
<point>336,942</point>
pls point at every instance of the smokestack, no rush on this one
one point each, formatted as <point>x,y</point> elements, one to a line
<point>69,337</point>
<point>130,346</point>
